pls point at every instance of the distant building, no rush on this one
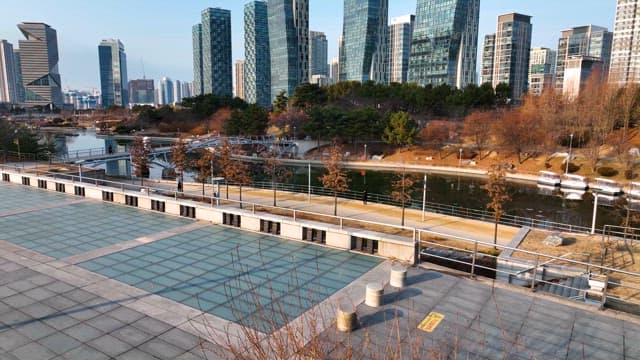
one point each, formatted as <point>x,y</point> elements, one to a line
<point>141,92</point>
<point>81,100</point>
<point>542,63</point>
<point>165,92</point>
<point>400,33</point>
<point>335,70</point>
<point>591,41</point>
<point>18,68</point>
<point>318,58</point>
<point>212,65</point>
<point>625,53</point>
<point>239,70</point>
<point>113,73</point>
<point>177,92</point>
<point>187,90</point>
<point>511,53</point>
<point>257,66</point>
<point>445,43</point>
<point>320,80</point>
<point>288,44</point>
<point>488,56</point>
<point>365,41</point>
<point>8,76</point>
<point>578,69</point>
<point>39,65</point>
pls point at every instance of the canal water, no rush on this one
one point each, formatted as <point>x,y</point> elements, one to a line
<point>527,200</point>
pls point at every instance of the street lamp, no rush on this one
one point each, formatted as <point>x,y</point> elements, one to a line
<point>460,158</point>
<point>595,213</point>
<point>365,152</point>
<point>566,170</point>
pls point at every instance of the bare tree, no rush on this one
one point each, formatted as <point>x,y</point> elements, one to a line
<point>477,126</point>
<point>336,178</point>
<point>402,190</point>
<point>204,165</point>
<point>496,187</point>
<point>275,168</point>
<point>140,152</point>
<point>179,156</point>
<point>233,170</point>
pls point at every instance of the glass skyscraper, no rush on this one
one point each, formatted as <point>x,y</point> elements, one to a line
<point>288,44</point>
<point>318,57</point>
<point>113,73</point>
<point>257,65</point>
<point>213,53</point>
<point>591,41</point>
<point>400,32</point>
<point>8,77</point>
<point>445,42</point>
<point>365,41</point>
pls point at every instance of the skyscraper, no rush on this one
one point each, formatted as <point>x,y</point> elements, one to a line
<point>288,44</point>
<point>625,53</point>
<point>591,41</point>
<point>400,33</point>
<point>165,91</point>
<point>488,56</point>
<point>542,63</point>
<point>18,68</point>
<point>318,58</point>
<point>39,65</point>
<point>257,66</point>
<point>365,41</point>
<point>177,92</point>
<point>217,72</point>
<point>113,73</point>
<point>445,42</point>
<point>198,88</point>
<point>8,78</point>
<point>335,69</point>
<point>578,70</point>
<point>239,70</point>
<point>141,92</point>
<point>511,54</point>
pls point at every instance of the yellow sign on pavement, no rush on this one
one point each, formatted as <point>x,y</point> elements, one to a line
<point>431,322</point>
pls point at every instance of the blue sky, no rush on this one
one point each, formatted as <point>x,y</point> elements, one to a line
<point>159,31</point>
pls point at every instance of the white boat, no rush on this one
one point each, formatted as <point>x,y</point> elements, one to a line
<point>574,182</point>
<point>606,186</point>
<point>548,178</point>
<point>573,194</point>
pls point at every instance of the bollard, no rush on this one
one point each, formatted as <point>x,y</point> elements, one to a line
<point>398,276</point>
<point>374,295</point>
<point>347,317</point>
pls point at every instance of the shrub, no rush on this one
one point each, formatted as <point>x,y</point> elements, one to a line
<point>468,154</point>
<point>628,174</point>
<point>607,171</point>
<point>572,167</point>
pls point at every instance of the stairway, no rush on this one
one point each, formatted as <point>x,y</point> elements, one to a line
<point>569,287</point>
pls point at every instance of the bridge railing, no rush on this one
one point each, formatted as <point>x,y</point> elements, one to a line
<point>82,153</point>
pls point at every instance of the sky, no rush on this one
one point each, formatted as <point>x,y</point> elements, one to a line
<point>157,33</point>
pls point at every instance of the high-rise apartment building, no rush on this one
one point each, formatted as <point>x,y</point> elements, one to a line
<point>318,54</point>
<point>39,65</point>
<point>511,53</point>
<point>542,63</point>
<point>400,32</point>
<point>445,42</point>
<point>165,91</point>
<point>288,44</point>
<point>8,76</point>
<point>257,66</point>
<point>590,41</point>
<point>578,70</point>
<point>141,92</point>
<point>625,52</point>
<point>239,71</point>
<point>365,41</point>
<point>187,90</point>
<point>113,73</point>
<point>213,53</point>
<point>335,70</point>
<point>488,56</point>
<point>196,33</point>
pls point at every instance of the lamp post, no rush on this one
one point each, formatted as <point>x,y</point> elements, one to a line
<point>566,170</point>
<point>365,152</point>
<point>424,195</point>
<point>460,158</point>
<point>80,170</point>
<point>595,213</point>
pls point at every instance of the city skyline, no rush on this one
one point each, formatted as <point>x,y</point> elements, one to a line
<point>168,51</point>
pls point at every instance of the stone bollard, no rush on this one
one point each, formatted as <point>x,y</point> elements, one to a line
<point>398,276</point>
<point>347,317</point>
<point>374,295</point>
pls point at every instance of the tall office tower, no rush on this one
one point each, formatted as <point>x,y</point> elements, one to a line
<point>257,63</point>
<point>141,92</point>
<point>165,91</point>
<point>8,78</point>
<point>591,41</point>
<point>177,92</point>
<point>512,50</point>
<point>318,49</point>
<point>365,41</point>
<point>217,67</point>
<point>542,63</point>
<point>445,43</point>
<point>488,56</point>
<point>197,60</point>
<point>18,69</point>
<point>400,32</point>
<point>625,53</point>
<point>335,70</point>
<point>113,73</point>
<point>239,70</point>
<point>39,65</point>
<point>288,44</point>
<point>578,70</point>
<point>186,90</point>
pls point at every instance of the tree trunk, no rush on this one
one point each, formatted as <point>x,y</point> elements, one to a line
<point>402,223</point>
<point>273,185</point>
<point>240,196</point>
<point>495,234</point>
<point>227,190</point>
<point>335,203</point>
